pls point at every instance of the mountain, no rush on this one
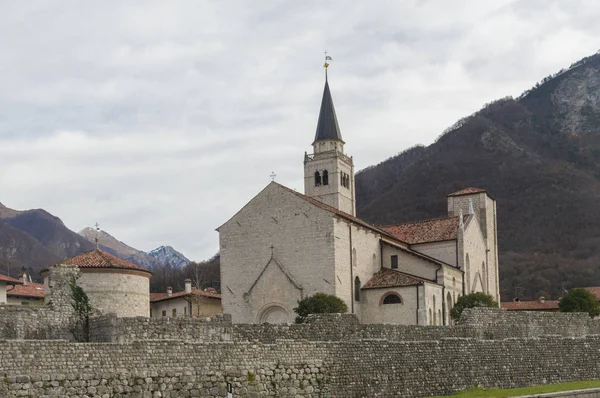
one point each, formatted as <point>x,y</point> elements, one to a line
<point>35,239</point>
<point>114,246</point>
<point>168,256</point>
<point>538,155</point>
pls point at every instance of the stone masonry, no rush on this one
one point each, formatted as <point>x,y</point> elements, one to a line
<point>53,321</point>
<point>329,356</point>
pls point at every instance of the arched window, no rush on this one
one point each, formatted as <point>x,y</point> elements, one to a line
<point>453,282</point>
<point>430,317</point>
<point>434,312</point>
<point>375,264</point>
<point>440,320</point>
<point>391,298</point>
<point>325,177</point>
<point>354,257</point>
<point>357,289</point>
<point>317,179</point>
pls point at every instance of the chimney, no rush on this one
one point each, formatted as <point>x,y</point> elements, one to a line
<point>542,299</point>
<point>169,291</point>
<point>24,279</point>
<point>188,285</point>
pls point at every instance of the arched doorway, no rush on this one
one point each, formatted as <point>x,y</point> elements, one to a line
<point>273,313</point>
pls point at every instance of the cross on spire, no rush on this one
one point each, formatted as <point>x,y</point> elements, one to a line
<point>97,239</point>
<point>273,175</point>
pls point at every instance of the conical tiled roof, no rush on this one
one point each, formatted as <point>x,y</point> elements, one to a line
<point>327,126</point>
<point>100,259</point>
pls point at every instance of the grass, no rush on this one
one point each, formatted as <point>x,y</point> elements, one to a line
<point>477,392</point>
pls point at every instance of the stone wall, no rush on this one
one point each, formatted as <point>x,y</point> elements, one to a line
<point>355,368</point>
<point>110,328</point>
<point>479,323</point>
<point>53,321</point>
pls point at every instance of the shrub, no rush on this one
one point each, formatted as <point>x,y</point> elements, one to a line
<point>320,303</point>
<point>472,300</point>
<point>580,300</point>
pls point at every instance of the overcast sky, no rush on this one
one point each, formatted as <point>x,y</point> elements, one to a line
<point>160,119</point>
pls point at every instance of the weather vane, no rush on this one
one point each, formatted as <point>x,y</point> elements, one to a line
<point>326,64</point>
<point>97,239</point>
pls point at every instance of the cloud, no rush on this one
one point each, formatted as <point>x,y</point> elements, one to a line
<point>160,120</point>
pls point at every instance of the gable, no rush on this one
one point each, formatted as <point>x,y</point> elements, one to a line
<point>269,198</point>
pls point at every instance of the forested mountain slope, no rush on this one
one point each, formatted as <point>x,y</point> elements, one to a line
<point>538,155</point>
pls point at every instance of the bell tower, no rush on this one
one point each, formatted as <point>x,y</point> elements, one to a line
<point>328,171</point>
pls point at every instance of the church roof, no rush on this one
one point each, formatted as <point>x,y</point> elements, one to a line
<point>100,259</point>
<point>435,230</point>
<point>8,279</point>
<point>391,278</point>
<point>327,126</point>
<point>467,191</point>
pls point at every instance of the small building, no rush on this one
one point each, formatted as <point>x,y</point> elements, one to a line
<point>191,302</point>
<point>535,305</point>
<point>113,285</point>
<point>27,293</point>
<point>4,281</point>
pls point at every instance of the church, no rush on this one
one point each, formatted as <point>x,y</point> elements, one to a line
<point>283,246</point>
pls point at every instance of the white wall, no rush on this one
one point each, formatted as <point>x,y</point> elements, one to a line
<point>365,243</point>
<point>2,292</point>
<point>444,251</point>
<point>374,311</point>
<point>275,224</point>
<point>127,295</point>
<point>182,307</point>
<point>409,263</point>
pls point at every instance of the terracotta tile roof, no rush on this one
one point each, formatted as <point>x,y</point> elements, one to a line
<point>8,279</point>
<point>391,278</point>
<point>467,191</point>
<point>595,290</point>
<point>548,305</point>
<point>154,297</point>
<point>389,237</point>
<point>32,289</point>
<point>100,259</point>
<point>425,231</point>
<point>339,213</point>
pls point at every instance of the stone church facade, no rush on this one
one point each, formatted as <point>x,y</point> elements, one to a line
<point>283,246</point>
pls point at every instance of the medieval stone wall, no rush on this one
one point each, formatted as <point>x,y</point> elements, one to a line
<point>480,323</point>
<point>355,368</point>
<point>53,321</point>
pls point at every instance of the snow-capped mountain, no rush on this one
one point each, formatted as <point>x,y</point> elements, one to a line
<point>168,256</point>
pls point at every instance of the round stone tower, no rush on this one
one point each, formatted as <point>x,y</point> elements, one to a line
<point>113,285</point>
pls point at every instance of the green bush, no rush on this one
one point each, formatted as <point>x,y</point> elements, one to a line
<point>320,303</point>
<point>472,300</point>
<point>580,300</point>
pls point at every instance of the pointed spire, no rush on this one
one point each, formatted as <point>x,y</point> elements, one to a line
<point>327,126</point>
